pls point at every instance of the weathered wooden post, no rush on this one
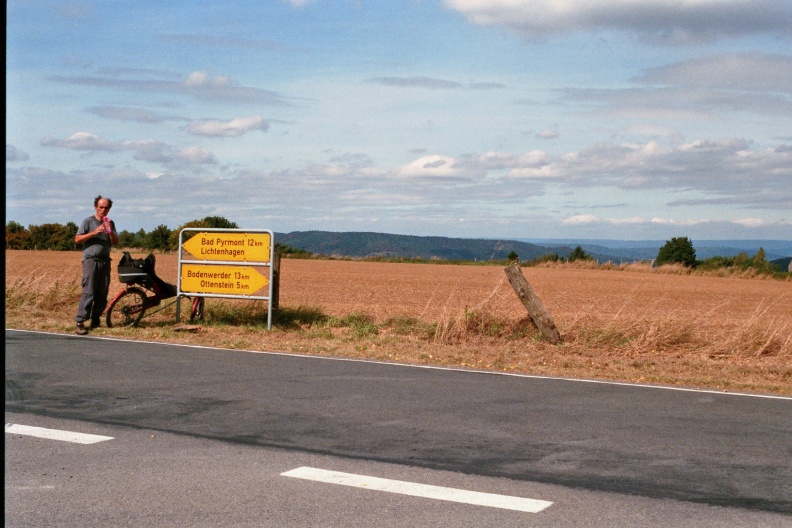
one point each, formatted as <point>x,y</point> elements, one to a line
<point>536,310</point>
<point>275,301</point>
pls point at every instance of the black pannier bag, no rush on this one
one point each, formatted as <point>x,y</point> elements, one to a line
<point>131,270</point>
<point>141,271</point>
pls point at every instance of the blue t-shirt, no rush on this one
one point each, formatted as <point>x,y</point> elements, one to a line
<point>99,245</point>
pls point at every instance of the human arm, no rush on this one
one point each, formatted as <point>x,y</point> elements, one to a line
<point>81,238</point>
<point>113,235</point>
<point>105,226</point>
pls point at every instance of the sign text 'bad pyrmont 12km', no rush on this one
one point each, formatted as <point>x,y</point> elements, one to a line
<point>251,247</point>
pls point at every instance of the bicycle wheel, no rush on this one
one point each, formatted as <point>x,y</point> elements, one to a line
<point>127,309</point>
<point>197,312</point>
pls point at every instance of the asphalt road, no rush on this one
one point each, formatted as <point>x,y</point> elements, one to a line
<point>225,425</point>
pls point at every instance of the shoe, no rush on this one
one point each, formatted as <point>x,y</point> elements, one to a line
<point>94,325</point>
<point>80,329</point>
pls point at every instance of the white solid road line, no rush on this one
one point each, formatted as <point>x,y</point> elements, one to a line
<point>419,490</point>
<point>55,434</point>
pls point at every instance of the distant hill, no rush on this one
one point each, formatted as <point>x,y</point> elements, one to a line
<point>631,250</point>
<point>785,264</point>
<point>353,244</point>
<point>369,244</point>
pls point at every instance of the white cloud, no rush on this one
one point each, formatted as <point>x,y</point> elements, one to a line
<point>198,84</point>
<point>195,155</point>
<point>700,89</point>
<point>750,72</point>
<point>138,115</point>
<point>202,78</point>
<point>144,150</point>
<point>750,222</point>
<point>232,128</point>
<point>548,171</point>
<point>724,172</point>
<point>585,219</point>
<point>704,173</point>
<point>581,219</point>
<point>428,167</point>
<point>665,21</point>
<point>82,141</point>
<point>491,161</point>
<point>530,164</point>
<point>151,151</point>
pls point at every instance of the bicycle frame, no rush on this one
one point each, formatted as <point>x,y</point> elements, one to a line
<point>152,291</point>
<point>150,301</point>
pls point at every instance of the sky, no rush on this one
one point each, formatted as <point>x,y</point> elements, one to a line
<point>587,119</point>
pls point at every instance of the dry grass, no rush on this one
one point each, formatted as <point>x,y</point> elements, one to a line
<point>629,322</point>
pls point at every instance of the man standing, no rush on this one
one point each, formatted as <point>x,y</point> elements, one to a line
<point>98,234</point>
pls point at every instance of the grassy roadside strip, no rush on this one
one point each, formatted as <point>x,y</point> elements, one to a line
<point>755,356</point>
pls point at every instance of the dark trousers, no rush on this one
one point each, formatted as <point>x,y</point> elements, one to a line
<point>95,287</point>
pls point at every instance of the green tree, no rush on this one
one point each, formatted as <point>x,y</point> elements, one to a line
<point>283,249</point>
<point>72,229</point>
<point>579,254</point>
<point>760,263</point>
<point>126,239</point>
<point>677,251</point>
<point>174,238</point>
<point>140,238</point>
<point>14,227</point>
<point>210,222</point>
<point>218,222</point>
<point>513,256</point>
<point>17,237</point>
<point>53,236</point>
<point>159,238</point>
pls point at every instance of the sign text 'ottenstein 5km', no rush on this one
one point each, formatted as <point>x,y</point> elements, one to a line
<point>237,247</point>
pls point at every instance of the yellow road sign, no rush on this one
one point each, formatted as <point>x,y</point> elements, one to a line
<point>234,247</point>
<point>231,280</point>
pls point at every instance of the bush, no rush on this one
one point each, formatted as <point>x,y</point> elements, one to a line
<point>283,249</point>
<point>677,251</point>
<point>53,236</point>
<point>551,257</point>
<point>741,263</point>
<point>579,254</point>
<point>17,237</point>
<point>158,239</point>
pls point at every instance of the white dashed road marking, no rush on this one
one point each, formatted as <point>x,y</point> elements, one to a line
<point>55,434</point>
<point>419,490</point>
